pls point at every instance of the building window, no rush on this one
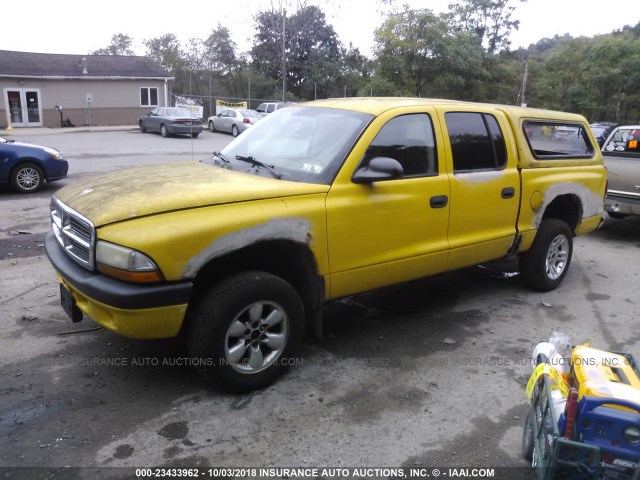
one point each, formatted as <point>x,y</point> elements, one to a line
<point>148,97</point>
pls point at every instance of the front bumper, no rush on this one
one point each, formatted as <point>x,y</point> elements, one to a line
<point>131,310</point>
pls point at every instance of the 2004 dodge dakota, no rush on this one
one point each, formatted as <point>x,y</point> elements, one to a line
<point>319,201</point>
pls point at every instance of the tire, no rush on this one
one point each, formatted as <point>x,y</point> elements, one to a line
<point>528,440</point>
<point>545,265</point>
<point>234,131</point>
<point>143,129</point>
<point>617,216</point>
<point>195,135</point>
<point>228,337</point>
<point>163,131</point>
<point>27,178</point>
<point>212,127</point>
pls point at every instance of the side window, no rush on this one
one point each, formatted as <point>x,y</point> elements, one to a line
<point>551,140</point>
<point>148,97</point>
<point>477,143</point>
<point>625,140</point>
<point>409,140</point>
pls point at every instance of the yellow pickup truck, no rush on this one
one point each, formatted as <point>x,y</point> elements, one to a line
<point>319,201</point>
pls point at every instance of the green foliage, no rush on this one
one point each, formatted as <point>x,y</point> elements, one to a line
<point>120,45</point>
<point>461,55</point>
<point>312,49</point>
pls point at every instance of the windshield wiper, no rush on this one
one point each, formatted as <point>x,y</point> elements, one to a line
<point>225,160</point>
<point>258,163</point>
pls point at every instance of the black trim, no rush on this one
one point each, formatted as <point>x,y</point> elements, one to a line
<point>115,293</point>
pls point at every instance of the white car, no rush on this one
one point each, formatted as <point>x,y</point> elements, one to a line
<point>233,121</point>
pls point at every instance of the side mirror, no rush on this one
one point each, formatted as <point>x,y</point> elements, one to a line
<point>378,169</point>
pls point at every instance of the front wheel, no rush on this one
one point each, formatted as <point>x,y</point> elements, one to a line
<point>545,265</point>
<point>143,129</point>
<point>244,331</point>
<point>27,178</point>
<point>212,127</point>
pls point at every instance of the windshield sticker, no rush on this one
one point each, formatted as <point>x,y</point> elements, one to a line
<point>308,167</point>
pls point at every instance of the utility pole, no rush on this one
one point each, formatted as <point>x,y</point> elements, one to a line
<point>524,85</point>
<point>284,58</point>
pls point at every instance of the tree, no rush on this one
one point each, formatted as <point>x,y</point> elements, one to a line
<point>220,51</point>
<point>417,51</point>
<point>490,20</point>
<point>311,47</point>
<point>167,51</point>
<point>120,45</point>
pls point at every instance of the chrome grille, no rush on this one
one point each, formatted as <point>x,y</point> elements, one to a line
<point>74,233</point>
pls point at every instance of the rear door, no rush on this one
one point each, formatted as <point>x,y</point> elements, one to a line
<point>485,184</point>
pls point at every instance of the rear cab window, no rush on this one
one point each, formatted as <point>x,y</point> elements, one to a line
<point>551,140</point>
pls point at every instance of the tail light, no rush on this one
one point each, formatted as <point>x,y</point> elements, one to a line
<point>246,120</point>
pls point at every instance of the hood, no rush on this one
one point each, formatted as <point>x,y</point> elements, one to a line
<point>148,190</point>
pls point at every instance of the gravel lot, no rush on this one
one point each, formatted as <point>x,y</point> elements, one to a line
<point>427,374</point>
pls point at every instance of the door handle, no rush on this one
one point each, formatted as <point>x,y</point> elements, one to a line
<point>439,201</point>
<point>508,192</point>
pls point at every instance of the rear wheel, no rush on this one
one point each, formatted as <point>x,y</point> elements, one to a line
<point>195,135</point>
<point>545,265</point>
<point>163,130</point>
<point>27,178</point>
<point>617,216</point>
<point>244,331</point>
<point>234,131</point>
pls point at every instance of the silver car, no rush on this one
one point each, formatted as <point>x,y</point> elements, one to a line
<point>233,121</point>
<point>171,121</point>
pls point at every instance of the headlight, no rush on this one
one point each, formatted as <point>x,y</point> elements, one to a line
<point>55,154</point>
<point>631,434</point>
<point>125,263</point>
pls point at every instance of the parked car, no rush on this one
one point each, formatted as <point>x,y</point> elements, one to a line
<point>26,167</point>
<point>602,130</point>
<point>171,121</point>
<point>269,107</point>
<point>233,121</point>
<point>319,201</point>
<point>621,152</point>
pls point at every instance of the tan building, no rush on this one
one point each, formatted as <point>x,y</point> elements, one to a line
<point>87,89</point>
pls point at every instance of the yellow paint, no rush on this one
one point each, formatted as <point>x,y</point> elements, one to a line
<point>536,201</point>
<point>162,322</point>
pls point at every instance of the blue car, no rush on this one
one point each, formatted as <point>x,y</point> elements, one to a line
<point>26,167</point>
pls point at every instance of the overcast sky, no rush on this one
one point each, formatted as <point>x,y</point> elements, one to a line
<point>81,26</point>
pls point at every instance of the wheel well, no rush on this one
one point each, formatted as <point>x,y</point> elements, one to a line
<point>291,261</point>
<point>567,208</point>
<point>31,161</point>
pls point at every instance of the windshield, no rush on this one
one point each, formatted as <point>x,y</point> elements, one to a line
<point>300,144</point>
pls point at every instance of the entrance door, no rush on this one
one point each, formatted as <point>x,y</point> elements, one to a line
<point>23,107</point>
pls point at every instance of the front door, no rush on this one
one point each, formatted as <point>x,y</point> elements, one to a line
<point>391,231</point>
<point>23,107</point>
